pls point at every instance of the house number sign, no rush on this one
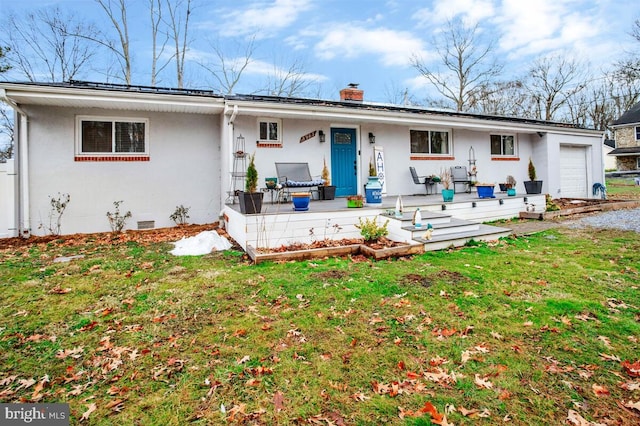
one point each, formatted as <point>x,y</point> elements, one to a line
<point>308,136</point>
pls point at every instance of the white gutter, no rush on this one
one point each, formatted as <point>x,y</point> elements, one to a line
<point>22,157</point>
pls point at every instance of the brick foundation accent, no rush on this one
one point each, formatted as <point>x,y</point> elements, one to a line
<point>113,158</point>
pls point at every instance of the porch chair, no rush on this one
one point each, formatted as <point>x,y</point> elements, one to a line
<point>422,180</point>
<point>295,177</point>
<point>460,176</point>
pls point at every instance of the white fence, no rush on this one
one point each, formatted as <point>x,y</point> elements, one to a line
<point>8,221</point>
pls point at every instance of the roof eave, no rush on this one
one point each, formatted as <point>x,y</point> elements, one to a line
<point>73,97</point>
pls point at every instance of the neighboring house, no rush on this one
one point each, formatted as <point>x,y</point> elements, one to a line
<point>154,149</point>
<point>627,135</point>
<point>609,160</point>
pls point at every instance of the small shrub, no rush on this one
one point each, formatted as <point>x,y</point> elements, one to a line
<point>532,170</point>
<point>180,215</point>
<point>370,230</point>
<point>116,219</point>
<point>252,175</point>
<point>58,206</point>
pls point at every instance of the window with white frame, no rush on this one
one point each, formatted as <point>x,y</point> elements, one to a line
<point>638,133</point>
<point>113,136</point>
<point>270,130</point>
<point>432,142</point>
<point>503,145</point>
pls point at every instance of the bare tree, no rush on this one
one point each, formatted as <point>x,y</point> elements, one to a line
<point>505,98</point>
<point>116,11</point>
<point>178,28</point>
<point>468,65</point>
<point>227,71</point>
<point>398,95</point>
<point>44,46</point>
<point>553,81</point>
<point>155,15</point>
<point>288,80</point>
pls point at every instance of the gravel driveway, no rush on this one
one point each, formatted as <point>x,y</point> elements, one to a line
<point>624,219</point>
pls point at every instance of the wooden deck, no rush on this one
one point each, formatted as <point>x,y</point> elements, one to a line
<point>454,223</point>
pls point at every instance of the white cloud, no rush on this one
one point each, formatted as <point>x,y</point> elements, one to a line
<point>264,68</point>
<point>531,28</point>
<point>263,18</point>
<point>349,41</point>
<point>470,11</point>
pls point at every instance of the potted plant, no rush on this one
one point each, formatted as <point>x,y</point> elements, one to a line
<point>251,200</point>
<point>509,183</point>
<point>485,190</point>
<point>327,191</point>
<point>301,201</point>
<point>355,201</point>
<point>373,188</point>
<point>445,181</point>
<point>532,186</point>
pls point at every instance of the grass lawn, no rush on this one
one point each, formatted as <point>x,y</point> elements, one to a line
<point>529,331</point>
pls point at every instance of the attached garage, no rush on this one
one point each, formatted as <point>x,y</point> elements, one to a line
<point>573,172</point>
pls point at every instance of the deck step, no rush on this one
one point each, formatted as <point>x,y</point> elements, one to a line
<point>427,217</point>
<point>458,239</point>
<point>452,227</point>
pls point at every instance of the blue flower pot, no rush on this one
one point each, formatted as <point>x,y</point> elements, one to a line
<point>485,191</point>
<point>301,201</point>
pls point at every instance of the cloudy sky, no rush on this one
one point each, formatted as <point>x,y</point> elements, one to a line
<point>370,42</point>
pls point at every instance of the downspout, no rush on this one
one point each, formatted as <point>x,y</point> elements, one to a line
<point>21,154</point>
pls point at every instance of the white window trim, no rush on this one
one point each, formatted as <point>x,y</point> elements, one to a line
<point>81,118</point>
<point>449,133</point>
<point>515,145</point>
<point>278,121</point>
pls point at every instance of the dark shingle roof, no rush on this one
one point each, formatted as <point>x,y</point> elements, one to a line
<point>632,116</point>
<point>633,150</point>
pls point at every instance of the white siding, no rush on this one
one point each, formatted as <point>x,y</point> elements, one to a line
<point>184,168</point>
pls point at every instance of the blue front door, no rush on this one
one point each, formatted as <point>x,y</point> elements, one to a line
<point>344,170</point>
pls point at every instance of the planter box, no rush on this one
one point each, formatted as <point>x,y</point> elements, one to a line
<point>303,254</point>
<point>447,195</point>
<point>403,250</point>
<point>384,253</point>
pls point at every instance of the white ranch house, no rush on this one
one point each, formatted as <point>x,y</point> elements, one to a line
<point>156,148</point>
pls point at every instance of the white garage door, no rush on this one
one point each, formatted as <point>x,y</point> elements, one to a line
<point>573,172</point>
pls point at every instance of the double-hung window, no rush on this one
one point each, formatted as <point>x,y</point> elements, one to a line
<point>503,145</point>
<point>637,133</point>
<point>270,131</point>
<point>432,142</point>
<point>99,136</point>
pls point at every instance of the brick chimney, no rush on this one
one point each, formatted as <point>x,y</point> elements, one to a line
<point>352,93</point>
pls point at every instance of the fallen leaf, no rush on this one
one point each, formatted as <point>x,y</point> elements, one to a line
<point>606,357</point>
<point>496,336</point>
<point>90,409</point>
<point>244,359</point>
<point>576,419</point>
<point>605,340</point>
<point>359,396</point>
<point>482,382</point>
<point>632,369</point>
<point>278,401</point>
<point>599,390</point>
<point>633,404</point>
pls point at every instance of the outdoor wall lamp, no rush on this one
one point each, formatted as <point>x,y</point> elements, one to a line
<point>321,136</point>
<point>372,138</point>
